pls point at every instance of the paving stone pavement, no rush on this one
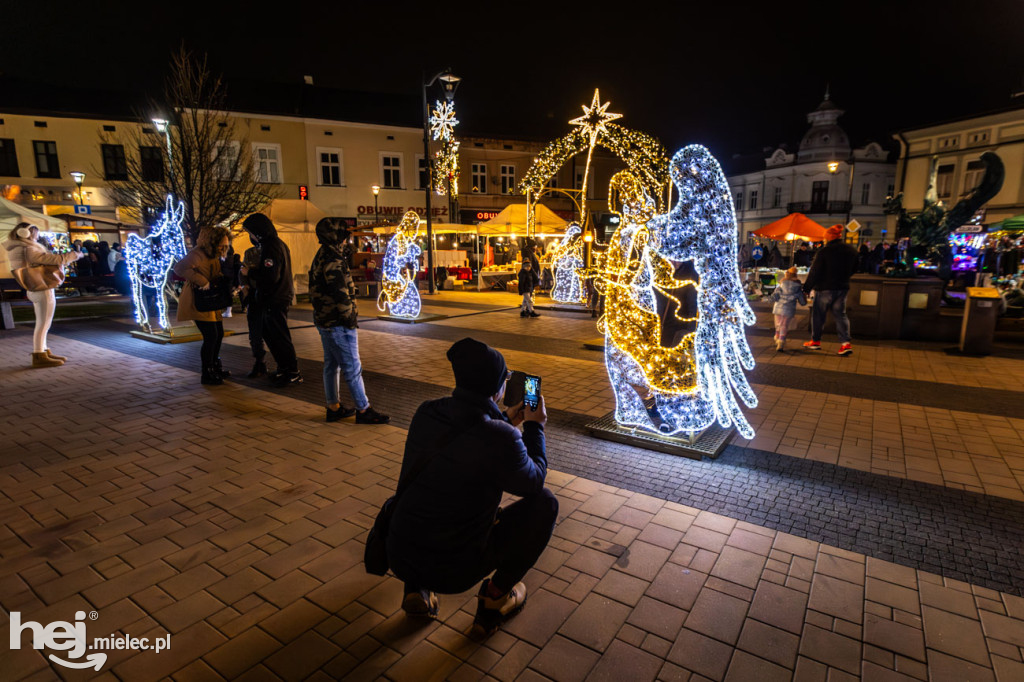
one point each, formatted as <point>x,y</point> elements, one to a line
<point>233,519</point>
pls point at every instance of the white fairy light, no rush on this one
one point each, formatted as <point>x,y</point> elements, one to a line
<point>399,295</point>
<point>566,263</point>
<point>150,260</point>
<point>694,381</point>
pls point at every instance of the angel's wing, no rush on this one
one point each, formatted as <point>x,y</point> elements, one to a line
<point>705,203</point>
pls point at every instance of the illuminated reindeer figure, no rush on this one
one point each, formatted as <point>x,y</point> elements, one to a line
<point>150,259</point>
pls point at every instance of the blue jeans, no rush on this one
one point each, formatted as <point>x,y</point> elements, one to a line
<point>836,302</point>
<point>341,356</point>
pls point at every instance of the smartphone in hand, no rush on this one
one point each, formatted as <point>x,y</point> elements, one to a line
<point>531,391</point>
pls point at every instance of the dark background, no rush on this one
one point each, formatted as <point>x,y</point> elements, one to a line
<point>735,76</point>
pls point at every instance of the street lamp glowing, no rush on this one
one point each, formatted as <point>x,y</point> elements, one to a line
<point>161,124</point>
<point>78,177</point>
<point>375,189</point>
<point>449,81</point>
<point>833,167</point>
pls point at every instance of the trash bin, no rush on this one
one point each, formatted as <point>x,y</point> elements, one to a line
<point>979,325</point>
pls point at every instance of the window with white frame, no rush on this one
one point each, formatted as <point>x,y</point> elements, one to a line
<point>944,180</point>
<point>479,175</point>
<point>421,172</point>
<point>267,162</point>
<point>753,199</point>
<point>972,177</point>
<point>391,170</point>
<point>508,179</point>
<point>777,197</point>
<point>225,159</point>
<point>865,193</point>
<point>331,166</point>
<point>739,200</point>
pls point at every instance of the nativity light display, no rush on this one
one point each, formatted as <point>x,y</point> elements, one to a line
<point>675,346</point>
<point>150,259</point>
<point>446,159</point>
<point>398,295</point>
<point>567,264</point>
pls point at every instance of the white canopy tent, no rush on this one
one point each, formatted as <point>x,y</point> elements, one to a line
<point>11,214</point>
<point>513,220</point>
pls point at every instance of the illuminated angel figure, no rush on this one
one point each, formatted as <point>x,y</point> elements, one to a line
<point>566,264</point>
<point>399,295</point>
<point>675,310</point>
<point>149,260</point>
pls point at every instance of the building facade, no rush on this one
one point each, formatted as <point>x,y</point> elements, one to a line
<point>956,147</point>
<point>825,178</point>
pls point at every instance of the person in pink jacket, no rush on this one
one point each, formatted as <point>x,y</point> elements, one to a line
<point>24,251</point>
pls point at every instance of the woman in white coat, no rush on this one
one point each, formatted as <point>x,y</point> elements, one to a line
<point>23,251</point>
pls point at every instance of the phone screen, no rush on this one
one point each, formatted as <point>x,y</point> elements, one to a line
<point>531,391</point>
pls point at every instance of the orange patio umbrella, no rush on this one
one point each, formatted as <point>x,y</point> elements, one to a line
<point>793,226</point>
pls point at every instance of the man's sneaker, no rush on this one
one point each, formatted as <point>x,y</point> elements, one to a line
<point>491,613</point>
<point>287,378</point>
<point>341,413</point>
<point>533,314</point>
<point>812,345</point>
<point>845,349</point>
<point>421,604</point>
<point>371,416</point>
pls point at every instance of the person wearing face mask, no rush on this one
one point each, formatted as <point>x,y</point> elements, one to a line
<point>40,272</point>
<point>200,267</point>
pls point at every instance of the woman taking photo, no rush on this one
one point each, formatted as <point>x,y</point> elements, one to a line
<point>199,268</point>
<point>44,272</point>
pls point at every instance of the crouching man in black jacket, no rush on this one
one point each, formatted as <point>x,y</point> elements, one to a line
<point>448,531</point>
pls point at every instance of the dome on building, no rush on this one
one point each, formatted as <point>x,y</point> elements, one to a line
<point>825,139</point>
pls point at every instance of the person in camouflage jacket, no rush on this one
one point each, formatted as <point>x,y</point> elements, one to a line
<point>336,316</point>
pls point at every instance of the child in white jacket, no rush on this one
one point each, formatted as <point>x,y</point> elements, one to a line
<point>786,296</point>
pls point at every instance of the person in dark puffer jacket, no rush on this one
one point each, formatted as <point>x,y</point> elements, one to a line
<point>829,279</point>
<point>274,291</point>
<point>336,316</point>
<point>447,531</point>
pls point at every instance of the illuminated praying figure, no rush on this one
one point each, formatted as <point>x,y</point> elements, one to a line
<point>566,264</point>
<point>675,346</point>
<point>399,295</point>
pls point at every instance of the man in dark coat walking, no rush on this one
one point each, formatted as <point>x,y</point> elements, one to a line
<point>462,453</point>
<point>829,279</point>
<point>272,281</point>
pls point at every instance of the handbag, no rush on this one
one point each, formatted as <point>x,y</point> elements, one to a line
<point>375,556</point>
<point>39,277</point>
<point>217,297</point>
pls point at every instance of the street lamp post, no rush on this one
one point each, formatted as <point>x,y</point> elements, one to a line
<point>833,168</point>
<point>449,81</point>
<point>376,213</point>
<point>79,177</point>
<point>164,128</point>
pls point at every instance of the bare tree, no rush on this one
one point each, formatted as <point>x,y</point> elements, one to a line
<point>203,160</point>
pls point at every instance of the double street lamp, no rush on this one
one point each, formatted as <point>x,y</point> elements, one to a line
<point>449,82</point>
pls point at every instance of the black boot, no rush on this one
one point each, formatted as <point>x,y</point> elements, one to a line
<point>258,370</point>
<point>221,372</point>
<point>210,377</point>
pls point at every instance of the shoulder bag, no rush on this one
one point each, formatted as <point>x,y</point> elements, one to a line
<point>217,297</point>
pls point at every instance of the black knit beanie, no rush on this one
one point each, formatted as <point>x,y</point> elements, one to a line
<point>478,368</point>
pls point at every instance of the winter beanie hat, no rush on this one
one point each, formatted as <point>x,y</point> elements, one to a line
<point>478,368</point>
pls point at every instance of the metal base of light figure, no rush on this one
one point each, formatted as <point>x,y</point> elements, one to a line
<point>182,334</point>
<point>707,443</point>
<point>422,317</point>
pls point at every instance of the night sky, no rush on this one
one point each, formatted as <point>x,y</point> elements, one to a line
<point>735,76</point>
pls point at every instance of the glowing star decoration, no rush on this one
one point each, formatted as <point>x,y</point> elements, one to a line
<point>593,123</point>
<point>399,295</point>
<point>566,263</point>
<point>150,259</point>
<point>446,159</point>
<point>674,305</point>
